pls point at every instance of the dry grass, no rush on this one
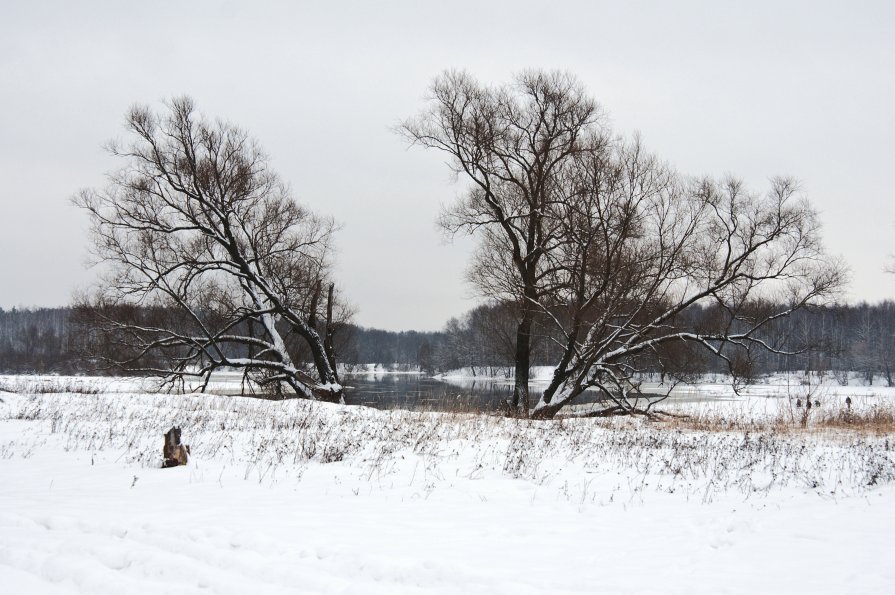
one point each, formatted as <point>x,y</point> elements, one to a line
<point>48,385</point>
<point>877,419</point>
<point>699,456</point>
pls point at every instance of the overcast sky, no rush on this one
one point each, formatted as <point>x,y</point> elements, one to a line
<point>755,89</point>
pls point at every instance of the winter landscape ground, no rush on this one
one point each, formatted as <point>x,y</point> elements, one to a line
<point>302,497</point>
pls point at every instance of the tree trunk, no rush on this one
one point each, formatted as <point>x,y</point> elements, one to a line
<point>329,331</point>
<point>330,389</point>
<point>522,362</point>
<point>321,362</point>
<point>559,394</point>
<point>548,410</point>
<point>564,370</point>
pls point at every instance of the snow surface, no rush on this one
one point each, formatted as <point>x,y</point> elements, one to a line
<point>299,497</point>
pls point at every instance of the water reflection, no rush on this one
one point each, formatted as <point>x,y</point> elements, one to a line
<point>415,392</point>
<point>412,391</point>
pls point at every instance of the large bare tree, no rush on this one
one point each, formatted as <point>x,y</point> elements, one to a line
<point>596,236</point>
<point>514,144</point>
<point>199,232</point>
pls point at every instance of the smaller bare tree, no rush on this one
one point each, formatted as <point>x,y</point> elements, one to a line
<point>210,262</point>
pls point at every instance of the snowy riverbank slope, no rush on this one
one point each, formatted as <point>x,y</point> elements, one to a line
<point>298,497</point>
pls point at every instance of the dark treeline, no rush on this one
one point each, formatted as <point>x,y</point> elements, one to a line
<point>44,340</point>
<point>836,339</point>
<point>388,349</point>
<point>38,340</point>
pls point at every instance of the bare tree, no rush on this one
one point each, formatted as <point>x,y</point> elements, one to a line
<point>642,245</point>
<point>200,233</point>
<point>513,144</point>
<point>604,241</point>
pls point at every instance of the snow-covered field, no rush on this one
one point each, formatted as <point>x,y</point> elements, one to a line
<point>299,497</point>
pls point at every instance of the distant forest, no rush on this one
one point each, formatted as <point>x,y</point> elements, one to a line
<point>41,340</point>
<point>837,339</point>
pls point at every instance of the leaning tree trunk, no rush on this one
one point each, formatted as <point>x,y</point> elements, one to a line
<point>564,387</point>
<point>547,410</point>
<point>552,399</point>
<point>330,388</point>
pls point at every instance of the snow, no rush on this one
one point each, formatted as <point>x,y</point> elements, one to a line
<point>301,497</point>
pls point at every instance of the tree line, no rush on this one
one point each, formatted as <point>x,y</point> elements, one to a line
<point>64,340</point>
<point>837,339</point>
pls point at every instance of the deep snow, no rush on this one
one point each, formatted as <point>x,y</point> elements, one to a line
<point>298,497</point>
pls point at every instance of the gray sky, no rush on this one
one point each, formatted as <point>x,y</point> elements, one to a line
<point>750,88</point>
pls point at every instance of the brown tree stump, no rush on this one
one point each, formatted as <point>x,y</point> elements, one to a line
<point>174,452</point>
